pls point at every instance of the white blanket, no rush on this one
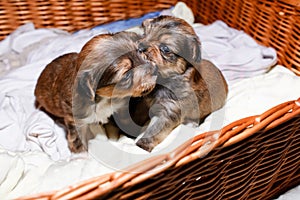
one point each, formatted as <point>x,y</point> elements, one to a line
<point>33,171</point>
<point>34,156</point>
<point>236,54</point>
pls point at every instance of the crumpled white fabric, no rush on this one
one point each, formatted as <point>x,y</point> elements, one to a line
<point>23,127</point>
<point>14,48</point>
<point>181,10</point>
<point>24,173</point>
<point>234,52</point>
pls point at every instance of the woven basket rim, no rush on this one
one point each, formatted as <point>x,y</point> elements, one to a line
<point>187,152</point>
<point>295,3</point>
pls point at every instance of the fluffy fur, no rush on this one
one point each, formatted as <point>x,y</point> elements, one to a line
<point>83,89</point>
<point>188,88</point>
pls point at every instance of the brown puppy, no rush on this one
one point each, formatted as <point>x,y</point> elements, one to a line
<point>188,88</point>
<point>83,89</point>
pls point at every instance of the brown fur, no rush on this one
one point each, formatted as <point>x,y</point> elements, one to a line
<point>188,88</point>
<point>83,89</point>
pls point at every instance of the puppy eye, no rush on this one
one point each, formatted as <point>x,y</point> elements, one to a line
<point>164,48</point>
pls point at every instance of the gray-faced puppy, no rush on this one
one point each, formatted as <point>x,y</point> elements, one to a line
<point>188,88</point>
<point>83,89</point>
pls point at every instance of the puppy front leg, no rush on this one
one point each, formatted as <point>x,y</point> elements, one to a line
<point>74,141</point>
<point>166,117</point>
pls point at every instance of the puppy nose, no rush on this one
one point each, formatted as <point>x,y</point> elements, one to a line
<point>142,47</point>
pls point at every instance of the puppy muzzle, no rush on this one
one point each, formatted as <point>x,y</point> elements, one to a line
<point>147,78</point>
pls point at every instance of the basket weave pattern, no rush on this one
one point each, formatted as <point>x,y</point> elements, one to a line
<point>274,23</point>
<point>254,158</point>
<point>72,15</point>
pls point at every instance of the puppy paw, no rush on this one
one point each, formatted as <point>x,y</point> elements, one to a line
<point>77,146</point>
<point>146,144</point>
<point>192,124</point>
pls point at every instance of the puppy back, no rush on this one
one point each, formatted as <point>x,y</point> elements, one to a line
<point>54,87</point>
<point>215,83</point>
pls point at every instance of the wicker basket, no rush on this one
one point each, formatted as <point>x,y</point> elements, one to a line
<point>255,158</point>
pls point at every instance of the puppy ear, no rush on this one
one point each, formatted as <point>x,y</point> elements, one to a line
<point>85,86</point>
<point>190,50</point>
<point>196,50</point>
<point>193,75</point>
<point>84,95</point>
<point>146,23</point>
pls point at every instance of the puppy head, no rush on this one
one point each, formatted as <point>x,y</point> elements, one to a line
<point>110,66</point>
<point>171,43</point>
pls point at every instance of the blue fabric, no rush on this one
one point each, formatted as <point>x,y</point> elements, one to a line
<point>122,25</point>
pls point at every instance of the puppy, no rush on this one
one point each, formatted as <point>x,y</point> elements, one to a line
<point>188,88</point>
<point>82,90</point>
